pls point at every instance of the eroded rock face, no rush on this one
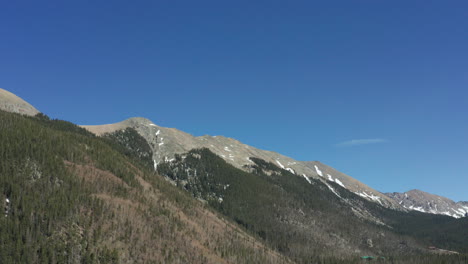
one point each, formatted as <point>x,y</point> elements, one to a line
<point>429,203</point>
<point>166,142</point>
<point>12,103</point>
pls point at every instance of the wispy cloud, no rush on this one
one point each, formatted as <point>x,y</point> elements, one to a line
<point>357,142</point>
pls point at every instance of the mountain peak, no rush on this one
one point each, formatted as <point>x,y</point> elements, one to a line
<point>109,128</point>
<point>11,103</point>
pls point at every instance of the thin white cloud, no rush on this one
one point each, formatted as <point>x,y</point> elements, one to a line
<point>357,142</point>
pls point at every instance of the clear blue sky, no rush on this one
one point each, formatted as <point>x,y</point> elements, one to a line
<point>376,89</point>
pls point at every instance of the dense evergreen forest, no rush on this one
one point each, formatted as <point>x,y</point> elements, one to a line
<point>131,144</point>
<point>42,222</point>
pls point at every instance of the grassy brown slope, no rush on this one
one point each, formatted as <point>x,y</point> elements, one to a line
<point>159,223</point>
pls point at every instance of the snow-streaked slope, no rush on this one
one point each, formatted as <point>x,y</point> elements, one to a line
<point>166,142</point>
<point>429,203</point>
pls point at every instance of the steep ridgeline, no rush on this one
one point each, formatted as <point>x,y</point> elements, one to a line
<point>429,203</point>
<point>166,142</point>
<point>12,103</point>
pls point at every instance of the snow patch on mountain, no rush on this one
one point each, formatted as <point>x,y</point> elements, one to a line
<point>279,163</point>
<point>369,196</point>
<point>419,208</point>
<point>307,178</point>
<point>339,182</point>
<point>319,172</point>
<point>333,190</point>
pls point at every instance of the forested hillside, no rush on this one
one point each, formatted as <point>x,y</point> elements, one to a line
<point>129,142</point>
<point>70,197</point>
<point>306,221</point>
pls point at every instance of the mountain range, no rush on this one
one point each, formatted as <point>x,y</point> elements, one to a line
<point>110,193</point>
<point>166,142</point>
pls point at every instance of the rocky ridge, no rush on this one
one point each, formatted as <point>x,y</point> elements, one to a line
<point>429,203</point>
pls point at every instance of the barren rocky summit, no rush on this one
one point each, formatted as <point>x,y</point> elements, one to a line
<point>12,103</point>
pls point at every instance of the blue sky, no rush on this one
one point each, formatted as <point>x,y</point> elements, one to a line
<point>376,89</point>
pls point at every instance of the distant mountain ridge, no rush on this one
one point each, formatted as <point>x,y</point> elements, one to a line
<point>429,203</point>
